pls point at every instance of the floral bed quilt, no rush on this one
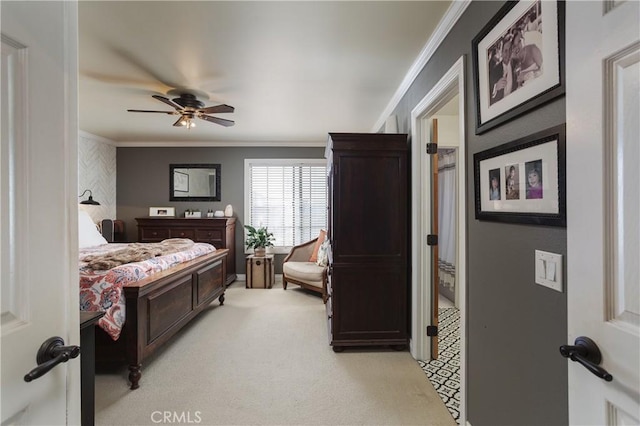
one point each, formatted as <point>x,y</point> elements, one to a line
<point>102,290</point>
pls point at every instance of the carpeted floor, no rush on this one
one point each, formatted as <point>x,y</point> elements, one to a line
<point>444,372</point>
<point>263,359</point>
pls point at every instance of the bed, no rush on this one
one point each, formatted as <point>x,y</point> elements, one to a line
<point>147,301</point>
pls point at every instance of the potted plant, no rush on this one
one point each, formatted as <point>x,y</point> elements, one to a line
<point>258,239</point>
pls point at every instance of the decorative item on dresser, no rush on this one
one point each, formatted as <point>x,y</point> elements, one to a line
<point>217,231</point>
<point>368,282</point>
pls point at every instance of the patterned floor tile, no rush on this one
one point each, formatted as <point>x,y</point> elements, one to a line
<point>444,373</point>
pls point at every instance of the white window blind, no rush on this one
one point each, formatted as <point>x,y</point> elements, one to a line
<point>289,197</point>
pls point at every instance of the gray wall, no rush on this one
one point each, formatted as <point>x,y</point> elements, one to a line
<point>143,181</point>
<point>515,373</point>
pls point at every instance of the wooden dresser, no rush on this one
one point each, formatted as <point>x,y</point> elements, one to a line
<point>221,232</point>
<point>368,285</point>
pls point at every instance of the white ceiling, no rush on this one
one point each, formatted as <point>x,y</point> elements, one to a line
<point>294,71</point>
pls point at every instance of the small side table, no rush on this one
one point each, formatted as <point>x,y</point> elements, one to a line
<point>88,366</point>
<point>260,271</point>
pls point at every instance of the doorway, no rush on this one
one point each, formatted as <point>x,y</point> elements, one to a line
<point>443,366</point>
<point>445,102</point>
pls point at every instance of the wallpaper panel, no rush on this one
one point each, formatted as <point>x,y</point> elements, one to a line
<point>97,172</point>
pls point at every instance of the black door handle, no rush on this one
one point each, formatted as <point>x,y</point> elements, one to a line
<point>51,353</point>
<point>586,352</point>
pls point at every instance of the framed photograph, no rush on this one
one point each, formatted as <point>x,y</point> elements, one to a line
<point>523,181</point>
<point>180,181</point>
<point>518,61</point>
<point>162,211</point>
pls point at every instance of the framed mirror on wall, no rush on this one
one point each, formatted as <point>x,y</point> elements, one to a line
<point>194,182</point>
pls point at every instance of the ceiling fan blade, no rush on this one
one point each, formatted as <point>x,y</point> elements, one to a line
<point>178,123</point>
<point>161,112</point>
<point>217,109</point>
<point>167,101</point>
<point>220,121</point>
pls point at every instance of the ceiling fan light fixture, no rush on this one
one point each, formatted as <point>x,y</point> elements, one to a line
<point>188,107</point>
<point>187,122</point>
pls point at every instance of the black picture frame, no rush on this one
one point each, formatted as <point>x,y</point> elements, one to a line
<point>195,182</point>
<point>541,50</point>
<point>522,197</point>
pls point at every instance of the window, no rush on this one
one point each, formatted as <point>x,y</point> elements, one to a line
<point>289,197</point>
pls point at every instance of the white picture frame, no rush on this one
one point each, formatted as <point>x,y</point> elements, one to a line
<point>162,211</point>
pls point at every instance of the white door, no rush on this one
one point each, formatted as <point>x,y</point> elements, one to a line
<point>603,206</point>
<point>38,206</point>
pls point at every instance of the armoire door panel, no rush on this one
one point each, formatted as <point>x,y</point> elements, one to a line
<point>369,234</point>
<point>368,303</point>
<point>372,220</point>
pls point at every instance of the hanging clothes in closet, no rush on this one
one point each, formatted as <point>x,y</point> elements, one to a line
<point>447,221</point>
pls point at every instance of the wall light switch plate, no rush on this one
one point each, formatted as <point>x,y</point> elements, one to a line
<point>549,270</point>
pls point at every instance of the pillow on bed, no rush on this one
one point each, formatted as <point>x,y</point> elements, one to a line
<point>88,235</point>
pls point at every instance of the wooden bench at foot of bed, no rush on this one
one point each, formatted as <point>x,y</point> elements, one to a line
<point>160,305</point>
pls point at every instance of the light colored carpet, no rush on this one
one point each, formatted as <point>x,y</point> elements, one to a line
<point>264,359</point>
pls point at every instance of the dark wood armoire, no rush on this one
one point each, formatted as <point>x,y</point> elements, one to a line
<point>368,177</point>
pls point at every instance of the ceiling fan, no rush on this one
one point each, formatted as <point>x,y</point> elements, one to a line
<point>187,106</point>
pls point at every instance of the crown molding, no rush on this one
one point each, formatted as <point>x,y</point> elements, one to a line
<point>219,144</point>
<point>455,11</point>
<point>87,135</point>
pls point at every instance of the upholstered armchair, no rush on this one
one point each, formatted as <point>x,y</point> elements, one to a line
<point>298,269</point>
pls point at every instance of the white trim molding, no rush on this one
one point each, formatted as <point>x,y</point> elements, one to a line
<point>15,180</point>
<point>221,144</point>
<point>70,243</point>
<point>91,136</point>
<point>455,11</point>
<point>450,85</point>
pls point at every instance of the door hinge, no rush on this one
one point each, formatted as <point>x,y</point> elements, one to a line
<point>432,330</point>
<point>432,148</point>
<point>432,240</point>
